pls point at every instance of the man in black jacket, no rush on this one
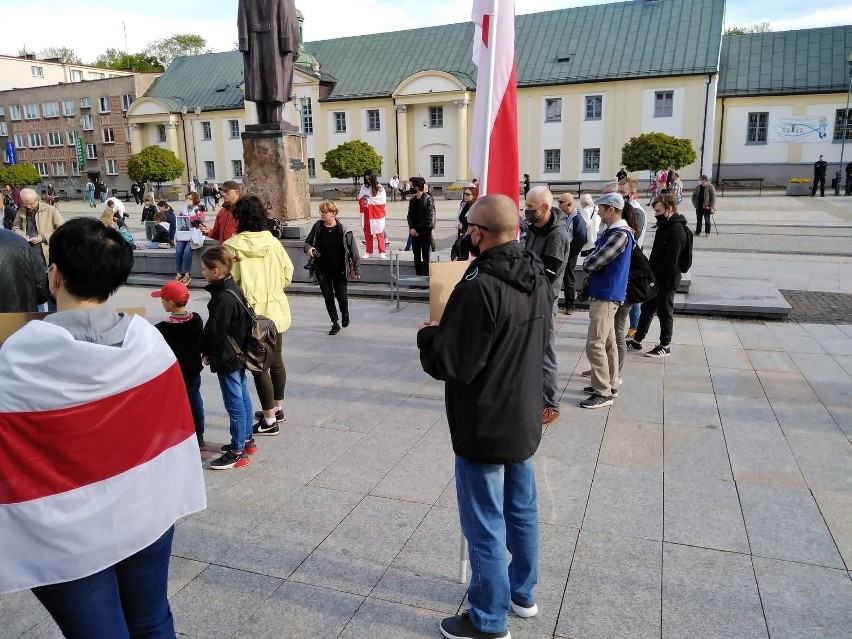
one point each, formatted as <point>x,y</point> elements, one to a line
<point>421,221</point>
<point>820,167</point>
<point>669,243</point>
<point>488,349</point>
<point>23,282</point>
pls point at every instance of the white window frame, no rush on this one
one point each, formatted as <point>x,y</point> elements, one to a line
<point>75,168</point>
<point>91,151</point>
<point>85,103</point>
<point>112,167</point>
<point>554,158</point>
<point>339,121</point>
<point>96,75</point>
<point>437,165</point>
<point>233,129</point>
<point>54,138</point>
<point>312,168</point>
<point>37,71</point>
<point>237,168</point>
<point>374,120</point>
<point>755,132</point>
<point>436,117</point>
<point>36,140</point>
<point>108,135</point>
<point>595,104</point>
<point>50,109</point>
<point>307,118</point>
<point>68,108</point>
<point>71,138</point>
<point>589,154</point>
<point>206,131</point>
<point>76,75</point>
<point>41,167</point>
<point>126,101</point>
<point>88,122</point>
<point>103,101</point>
<point>553,109</point>
<point>161,133</point>
<point>32,112</point>
<point>209,170</point>
<point>3,130</point>
<point>53,169</point>
<point>14,112</point>
<point>20,141</point>
<point>663,104</point>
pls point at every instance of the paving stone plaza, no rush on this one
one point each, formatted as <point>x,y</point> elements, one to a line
<point>713,500</point>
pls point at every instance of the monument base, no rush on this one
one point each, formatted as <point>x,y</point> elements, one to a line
<point>276,171</point>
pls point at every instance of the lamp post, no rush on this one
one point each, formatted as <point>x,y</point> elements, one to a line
<point>845,126</point>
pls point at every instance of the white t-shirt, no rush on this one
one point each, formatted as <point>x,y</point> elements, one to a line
<point>117,206</point>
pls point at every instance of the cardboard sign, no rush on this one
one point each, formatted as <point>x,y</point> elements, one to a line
<point>443,277</point>
<point>11,322</point>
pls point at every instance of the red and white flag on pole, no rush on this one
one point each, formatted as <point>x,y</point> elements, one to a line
<point>97,448</point>
<point>494,140</point>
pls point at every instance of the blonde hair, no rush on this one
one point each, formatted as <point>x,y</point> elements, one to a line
<point>107,217</point>
<point>327,206</point>
<point>218,257</point>
<point>149,199</point>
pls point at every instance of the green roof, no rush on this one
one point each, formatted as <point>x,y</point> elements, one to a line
<point>639,38</point>
<point>210,81</point>
<point>785,63</point>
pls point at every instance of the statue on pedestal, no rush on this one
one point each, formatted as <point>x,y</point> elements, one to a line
<point>268,34</point>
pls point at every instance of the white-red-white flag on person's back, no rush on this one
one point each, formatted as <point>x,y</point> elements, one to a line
<point>494,140</point>
<point>97,449</point>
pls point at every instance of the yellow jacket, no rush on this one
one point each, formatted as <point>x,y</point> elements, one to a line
<point>263,272</point>
<point>47,220</point>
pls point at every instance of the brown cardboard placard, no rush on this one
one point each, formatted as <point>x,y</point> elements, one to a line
<point>443,277</point>
<point>11,322</point>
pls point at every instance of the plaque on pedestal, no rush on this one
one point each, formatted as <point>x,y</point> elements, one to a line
<point>276,171</point>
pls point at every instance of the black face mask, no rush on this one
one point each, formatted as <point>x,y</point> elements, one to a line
<point>473,248</point>
<point>660,218</point>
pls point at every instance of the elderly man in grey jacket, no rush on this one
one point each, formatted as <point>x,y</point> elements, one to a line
<point>548,239</point>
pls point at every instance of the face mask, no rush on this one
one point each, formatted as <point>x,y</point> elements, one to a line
<point>660,218</point>
<point>531,217</point>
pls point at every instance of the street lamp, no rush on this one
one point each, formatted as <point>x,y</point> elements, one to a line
<point>845,125</point>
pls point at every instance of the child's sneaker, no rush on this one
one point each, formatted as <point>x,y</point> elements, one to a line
<point>250,449</point>
<point>279,415</point>
<point>262,428</point>
<point>229,460</point>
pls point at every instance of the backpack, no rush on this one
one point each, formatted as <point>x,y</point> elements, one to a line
<point>684,260</point>
<point>261,342</point>
<point>276,227</point>
<point>641,283</point>
<point>579,234</point>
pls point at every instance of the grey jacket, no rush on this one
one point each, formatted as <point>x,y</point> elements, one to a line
<point>99,325</point>
<point>709,198</point>
<point>551,244</point>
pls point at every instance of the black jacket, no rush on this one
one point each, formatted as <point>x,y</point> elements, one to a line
<point>148,213</point>
<point>669,242</point>
<point>350,253</point>
<point>23,283</point>
<point>226,316</point>
<point>421,214</point>
<point>489,351</point>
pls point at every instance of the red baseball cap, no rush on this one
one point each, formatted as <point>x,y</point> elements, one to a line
<point>173,292</point>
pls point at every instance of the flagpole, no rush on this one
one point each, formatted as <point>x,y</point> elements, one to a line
<point>489,111</point>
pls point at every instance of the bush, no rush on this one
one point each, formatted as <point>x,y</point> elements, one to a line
<point>800,181</point>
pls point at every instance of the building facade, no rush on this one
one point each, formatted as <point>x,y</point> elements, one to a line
<point>43,125</point>
<point>22,72</point>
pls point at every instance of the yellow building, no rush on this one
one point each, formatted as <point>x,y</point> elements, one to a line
<point>23,72</point>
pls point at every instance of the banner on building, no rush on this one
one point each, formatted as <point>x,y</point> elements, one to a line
<point>811,128</point>
<point>81,161</point>
<point>11,155</point>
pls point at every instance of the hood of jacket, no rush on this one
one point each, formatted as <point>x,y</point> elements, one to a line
<point>252,244</point>
<point>512,264</point>
<point>557,217</point>
<point>677,218</point>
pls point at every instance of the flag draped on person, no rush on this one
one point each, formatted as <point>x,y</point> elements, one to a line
<point>494,140</point>
<point>98,451</point>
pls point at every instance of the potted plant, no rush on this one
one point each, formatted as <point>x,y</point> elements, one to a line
<point>799,186</point>
<point>331,194</point>
<point>453,192</point>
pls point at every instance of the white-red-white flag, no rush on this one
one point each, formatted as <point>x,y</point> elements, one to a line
<point>494,140</point>
<point>97,449</point>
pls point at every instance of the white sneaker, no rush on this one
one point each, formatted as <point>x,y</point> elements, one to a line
<point>365,256</point>
<point>522,611</point>
<point>383,256</point>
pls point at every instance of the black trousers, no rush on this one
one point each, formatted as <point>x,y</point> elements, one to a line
<point>700,215</point>
<point>421,245</point>
<point>849,185</point>
<point>568,283</point>
<point>818,179</point>
<point>334,286</point>
<point>663,306</point>
<point>270,384</point>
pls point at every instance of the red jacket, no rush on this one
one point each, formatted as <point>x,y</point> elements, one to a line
<point>225,225</point>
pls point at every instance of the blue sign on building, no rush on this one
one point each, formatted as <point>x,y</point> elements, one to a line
<point>11,156</point>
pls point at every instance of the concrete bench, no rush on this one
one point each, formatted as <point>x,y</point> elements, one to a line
<point>124,194</point>
<point>564,187</point>
<point>741,183</point>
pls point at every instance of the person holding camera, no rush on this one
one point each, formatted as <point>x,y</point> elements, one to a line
<point>336,260</point>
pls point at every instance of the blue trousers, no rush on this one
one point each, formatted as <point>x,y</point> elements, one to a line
<point>497,511</point>
<point>235,396</point>
<point>183,257</point>
<point>196,404</point>
<point>635,309</point>
<point>127,600</point>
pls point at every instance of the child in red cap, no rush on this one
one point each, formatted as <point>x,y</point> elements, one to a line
<point>182,332</point>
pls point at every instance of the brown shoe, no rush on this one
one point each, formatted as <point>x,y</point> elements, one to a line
<point>569,310</point>
<point>548,415</point>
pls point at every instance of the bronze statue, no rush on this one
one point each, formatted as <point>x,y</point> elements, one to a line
<point>268,34</point>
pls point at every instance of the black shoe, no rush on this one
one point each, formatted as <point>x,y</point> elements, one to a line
<point>279,415</point>
<point>633,345</point>
<point>230,460</point>
<point>596,401</point>
<point>262,428</point>
<point>335,329</point>
<point>250,449</point>
<point>591,391</point>
<point>659,351</point>
<point>345,321</point>
<point>461,627</point>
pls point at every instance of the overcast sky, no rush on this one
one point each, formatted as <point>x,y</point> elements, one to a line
<point>91,26</point>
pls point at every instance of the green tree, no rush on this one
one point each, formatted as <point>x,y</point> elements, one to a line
<point>62,53</point>
<point>154,164</point>
<point>19,175</point>
<point>350,160</point>
<point>168,49</point>
<point>139,62</point>
<point>656,151</point>
<point>759,27</point>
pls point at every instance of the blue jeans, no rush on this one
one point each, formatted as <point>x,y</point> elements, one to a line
<point>551,381</point>
<point>196,404</point>
<point>635,309</point>
<point>208,202</point>
<point>125,600</point>
<point>91,195</point>
<point>183,257</point>
<point>497,510</point>
<point>235,396</point>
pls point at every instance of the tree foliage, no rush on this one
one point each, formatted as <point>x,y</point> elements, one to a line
<point>656,151</point>
<point>154,164</point>
<point>19,175</point>
<point>350,160</point>
<point>168,49</point>
<point>139,62</point>
<point>62,53</point>
<point>758,27</point>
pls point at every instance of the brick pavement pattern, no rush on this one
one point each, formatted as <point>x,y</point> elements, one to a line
<point>819,308</point>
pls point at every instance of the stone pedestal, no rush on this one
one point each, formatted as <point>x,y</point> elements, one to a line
<point>276,171</point>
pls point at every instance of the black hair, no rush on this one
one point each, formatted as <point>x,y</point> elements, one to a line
<point>250,214</point>
<point>418,183</point>
<point>94,259</point>
<point>628,214</point>
<point>371,181</point>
